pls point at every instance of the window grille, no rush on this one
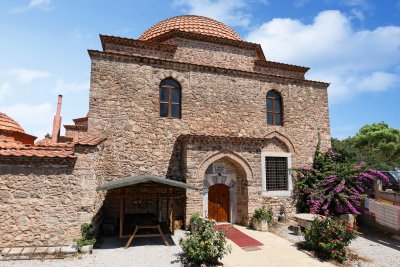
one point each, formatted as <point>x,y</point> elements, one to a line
<point>276,170</point>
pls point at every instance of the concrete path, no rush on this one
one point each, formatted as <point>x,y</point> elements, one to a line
<point>275,252</point>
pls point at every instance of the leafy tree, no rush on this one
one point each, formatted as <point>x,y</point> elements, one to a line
<point>378,145</point>
<point>345,149</point>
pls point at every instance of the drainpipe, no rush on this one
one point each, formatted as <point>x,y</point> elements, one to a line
<point>57,122</point>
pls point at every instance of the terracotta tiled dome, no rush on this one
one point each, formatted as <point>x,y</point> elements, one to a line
<point>6,123</point>
<point>195,24</point>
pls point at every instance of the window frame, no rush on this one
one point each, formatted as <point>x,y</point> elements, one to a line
<point>273,108</point>
<point>170,103</point>
<point>276,193</point>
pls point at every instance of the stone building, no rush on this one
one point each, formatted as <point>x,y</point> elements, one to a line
<point>188,101</point>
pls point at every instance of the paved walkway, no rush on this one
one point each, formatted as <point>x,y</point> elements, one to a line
<point>275,252</point>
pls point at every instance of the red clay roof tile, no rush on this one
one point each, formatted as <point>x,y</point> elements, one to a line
<point>196,24</point>
<point>16,149</point>
<point>6,123</point>
<point>90,140</point>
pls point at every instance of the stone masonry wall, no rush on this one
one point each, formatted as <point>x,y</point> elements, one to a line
<point>124,107</point>
<point>43,204</point>
<point>207,54</point>
<point>247,153</point>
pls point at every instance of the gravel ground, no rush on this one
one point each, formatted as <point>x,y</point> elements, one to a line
<point>378,248</point>
<point>144,252</point>
<point>374,248</point>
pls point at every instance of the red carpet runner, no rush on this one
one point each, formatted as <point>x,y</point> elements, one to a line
<point>239,238</point>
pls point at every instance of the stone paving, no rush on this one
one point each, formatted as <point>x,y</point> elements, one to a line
<point>275,252</point>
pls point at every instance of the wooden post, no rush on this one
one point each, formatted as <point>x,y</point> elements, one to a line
<point>121,214</point>
<point>172,213</point>
<point>168,208</point>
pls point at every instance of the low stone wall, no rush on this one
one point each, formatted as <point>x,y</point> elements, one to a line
<point>42,204</point>
<point>286,205</point>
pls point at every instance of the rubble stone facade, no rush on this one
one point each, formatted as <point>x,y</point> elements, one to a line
<point>45,202</point>
<point>224,83</point>
<point>223,111</point>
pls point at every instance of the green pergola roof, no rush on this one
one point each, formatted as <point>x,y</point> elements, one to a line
<point>142,179</point>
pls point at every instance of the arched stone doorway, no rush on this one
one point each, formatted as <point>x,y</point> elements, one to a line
<point>228,169</point>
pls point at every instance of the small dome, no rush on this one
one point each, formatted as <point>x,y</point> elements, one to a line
<point>194,24</point>
<point>8,124</point>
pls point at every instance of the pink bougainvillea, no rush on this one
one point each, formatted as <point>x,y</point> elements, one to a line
<point>333,188</point>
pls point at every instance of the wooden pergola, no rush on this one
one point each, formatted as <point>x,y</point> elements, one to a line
<point>146,187</point>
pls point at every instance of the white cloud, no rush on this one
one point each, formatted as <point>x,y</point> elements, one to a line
<point>39,3</point>
<point>44,5</point>
<point>36,117</point>
<point>73,87</point>
<point>25,76</point>
<point>5,88</point>
<point>232,12</point>
<point>353,61</point>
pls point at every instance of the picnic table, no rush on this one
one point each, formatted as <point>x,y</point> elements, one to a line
<point>146,221</point>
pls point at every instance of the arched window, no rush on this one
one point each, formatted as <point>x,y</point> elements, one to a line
<point>274,108</point>
<point>170,99</point>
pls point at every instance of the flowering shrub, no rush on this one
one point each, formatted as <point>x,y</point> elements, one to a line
<point>204,245</point>
<point>330,238</point>
<point>330,187</point>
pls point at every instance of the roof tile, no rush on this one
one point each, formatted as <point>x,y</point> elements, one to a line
<point>7,123</point>
<point>196,24</point>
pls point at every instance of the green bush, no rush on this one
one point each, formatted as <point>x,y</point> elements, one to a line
<point>195,220</point>
<point>330,238</point>
<point>87,237</point>
<point>204,245</point>
<point>84,242</point>
<point>263,214</point>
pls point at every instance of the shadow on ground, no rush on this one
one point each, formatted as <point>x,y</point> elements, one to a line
<point>380,237</point>
<point>116,242</point>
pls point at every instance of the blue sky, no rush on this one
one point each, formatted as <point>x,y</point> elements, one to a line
<point>353,44</point>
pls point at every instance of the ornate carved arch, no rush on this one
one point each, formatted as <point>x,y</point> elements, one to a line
<point>224,154</point>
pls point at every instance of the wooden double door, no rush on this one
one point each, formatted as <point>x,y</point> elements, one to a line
<point>218,203</point>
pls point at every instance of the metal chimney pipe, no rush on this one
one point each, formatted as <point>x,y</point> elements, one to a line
<point>57,122</point>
